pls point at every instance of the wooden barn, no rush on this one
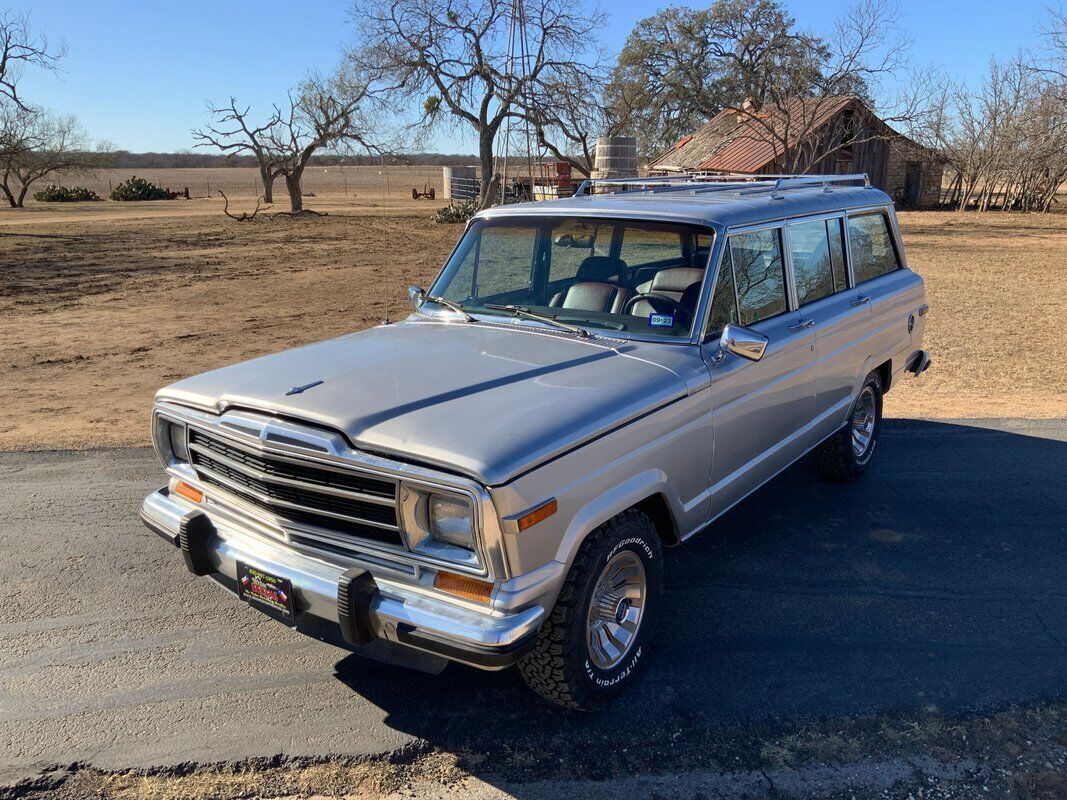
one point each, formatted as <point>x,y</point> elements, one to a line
<point>829,135</point>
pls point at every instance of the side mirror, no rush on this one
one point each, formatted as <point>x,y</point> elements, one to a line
<point>742,342</point>
<point>417,296</point>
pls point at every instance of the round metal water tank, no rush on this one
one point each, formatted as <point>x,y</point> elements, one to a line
<point>616,157</point>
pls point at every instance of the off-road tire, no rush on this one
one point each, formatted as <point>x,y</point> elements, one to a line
<point>558,667</point>
<point>835,459</point>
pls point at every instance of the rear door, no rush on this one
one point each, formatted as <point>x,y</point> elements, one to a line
<point>827,302</point>
<point>760,408</point>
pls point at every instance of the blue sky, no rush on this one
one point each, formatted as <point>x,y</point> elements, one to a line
<point>138,72</point>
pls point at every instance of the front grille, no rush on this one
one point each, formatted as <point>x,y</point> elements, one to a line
<point>339,501</point>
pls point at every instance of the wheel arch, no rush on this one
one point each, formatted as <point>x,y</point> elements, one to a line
<point>649,492</point>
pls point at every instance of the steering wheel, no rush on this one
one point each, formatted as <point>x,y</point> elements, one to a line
<point>663,304</point>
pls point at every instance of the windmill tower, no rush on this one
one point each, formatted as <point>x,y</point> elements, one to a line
<point>517,72</point>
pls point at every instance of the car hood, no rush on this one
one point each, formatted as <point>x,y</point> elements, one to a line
<point>487,400</point>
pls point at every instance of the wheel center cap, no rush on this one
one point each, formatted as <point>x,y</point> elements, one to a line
<point>622,608</point>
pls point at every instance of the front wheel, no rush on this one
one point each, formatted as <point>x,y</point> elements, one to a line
<point>846,454</point>
<point>597,635</point>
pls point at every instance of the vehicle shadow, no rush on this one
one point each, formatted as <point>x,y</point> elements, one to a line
<point>936,581</point>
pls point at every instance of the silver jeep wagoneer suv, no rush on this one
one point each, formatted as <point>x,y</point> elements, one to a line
<point>492,480</point>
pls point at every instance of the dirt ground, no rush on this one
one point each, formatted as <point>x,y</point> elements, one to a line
<point>102,303</point>
<point>1019,754</point>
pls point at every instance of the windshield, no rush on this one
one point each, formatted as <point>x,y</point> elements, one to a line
<point>627,276</point>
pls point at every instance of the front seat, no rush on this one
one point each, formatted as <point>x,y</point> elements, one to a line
<point>670,283</point>
<point>598,287</point>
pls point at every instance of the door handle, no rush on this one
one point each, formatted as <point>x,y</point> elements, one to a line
<point>803,324</point>
<point>859,301</point>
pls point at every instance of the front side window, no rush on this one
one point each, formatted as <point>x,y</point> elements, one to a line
<point>627,276</point>
<point>759,274</point>
<point>724,304</point>
<point>871,246</point>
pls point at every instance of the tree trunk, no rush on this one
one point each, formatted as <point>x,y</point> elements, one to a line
<point>485,160</point>
<point>292,185</point>
<point>267,177</point>
<point>22,196</point>
<point>10,197</point>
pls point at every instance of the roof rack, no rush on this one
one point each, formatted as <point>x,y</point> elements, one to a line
<point>719,181</point>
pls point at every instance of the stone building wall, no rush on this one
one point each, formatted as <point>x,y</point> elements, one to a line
<point>900,154</point>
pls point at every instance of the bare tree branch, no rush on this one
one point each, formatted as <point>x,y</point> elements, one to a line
<point>231,132</point>
<point>21,48</point>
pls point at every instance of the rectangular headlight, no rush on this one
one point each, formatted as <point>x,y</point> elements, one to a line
<point>171,442</point>
<point>451,520</point>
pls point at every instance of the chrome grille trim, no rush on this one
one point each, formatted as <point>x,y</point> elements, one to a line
<point>257,432</point>
<point>263,476</point>
<point>309,509</point>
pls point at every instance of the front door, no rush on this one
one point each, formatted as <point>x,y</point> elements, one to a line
<point>760,408</point>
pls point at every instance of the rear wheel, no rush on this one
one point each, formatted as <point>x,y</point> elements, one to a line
<point>846,454</point>
<point>597,635</point>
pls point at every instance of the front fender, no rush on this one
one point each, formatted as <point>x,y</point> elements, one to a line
<point>608,504</point>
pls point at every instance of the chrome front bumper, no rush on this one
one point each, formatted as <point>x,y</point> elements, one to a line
<point>371,607</point>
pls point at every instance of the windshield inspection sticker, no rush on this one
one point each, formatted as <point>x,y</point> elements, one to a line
<point>661,320</point>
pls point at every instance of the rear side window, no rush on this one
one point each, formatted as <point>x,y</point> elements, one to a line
<point>759,275</point>
<point>813,269</point>
<point>871,246</point>
<point>837,252</point>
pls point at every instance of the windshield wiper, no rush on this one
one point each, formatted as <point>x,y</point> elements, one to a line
<point>450,306</point>
<point>522,311</point>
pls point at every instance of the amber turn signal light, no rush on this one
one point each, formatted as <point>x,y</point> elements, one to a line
<point>462,586</point>
<point>530,518</point>
<point>188,492</point>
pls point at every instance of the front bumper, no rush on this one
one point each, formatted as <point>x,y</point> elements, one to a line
<point>363,608</point>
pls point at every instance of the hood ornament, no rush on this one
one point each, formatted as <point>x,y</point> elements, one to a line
<point>304,388</point>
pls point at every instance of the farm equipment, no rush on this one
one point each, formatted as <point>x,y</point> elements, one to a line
<point>428,193</point>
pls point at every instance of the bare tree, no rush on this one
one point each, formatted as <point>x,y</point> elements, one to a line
<point>39,145</point>
<point>453,56</point>
<point>1007,141</point>
<point>20,47</point>
<point>567,115</point>
<point>796,118</point>
<point>335,113</point>
<point>232,133</point>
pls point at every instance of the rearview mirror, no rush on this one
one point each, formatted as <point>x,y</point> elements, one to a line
<point>742,342</point>
<point>417,296</point>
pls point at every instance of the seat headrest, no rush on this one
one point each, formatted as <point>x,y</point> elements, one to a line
<point>601,268</point>
<point>676,280</point>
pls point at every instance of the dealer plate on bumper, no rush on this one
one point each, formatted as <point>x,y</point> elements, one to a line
<point>266,591</point>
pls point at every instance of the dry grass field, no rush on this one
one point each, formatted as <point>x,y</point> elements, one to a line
<point>102,303</point>
<point>356,183</point>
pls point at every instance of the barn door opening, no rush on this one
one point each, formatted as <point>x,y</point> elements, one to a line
<point>913,183</point>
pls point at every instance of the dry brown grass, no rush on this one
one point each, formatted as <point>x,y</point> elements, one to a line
<point>356,183</point>
<point>100,304</point>
<point>997,288</point>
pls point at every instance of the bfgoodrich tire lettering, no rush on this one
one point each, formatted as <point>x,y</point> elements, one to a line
<point>561,666</point>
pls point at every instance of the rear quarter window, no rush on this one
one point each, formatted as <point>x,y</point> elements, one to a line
<point>871,246</point>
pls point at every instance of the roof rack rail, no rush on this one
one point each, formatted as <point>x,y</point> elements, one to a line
<point>698,182</point>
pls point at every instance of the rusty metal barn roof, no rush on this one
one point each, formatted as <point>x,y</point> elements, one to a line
<point>734,142</point>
